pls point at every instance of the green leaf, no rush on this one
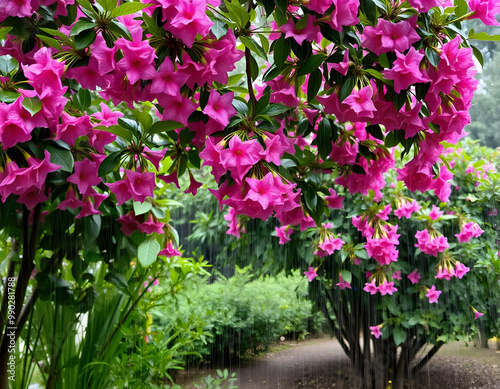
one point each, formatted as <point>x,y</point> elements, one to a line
<point>346,275</point>
<point>346,88</point>
<point>281,51</point>
<point>147,252</point>
<point>375,131</point>
<point>82,99</point>
<point>253,46</point>
<point>84,39</point>
<point>110,163</point>
<point>118,280</point>
<point>281,5</point>
<point>432,56</point>
<point>478,54</point>
<point>219,28</point>
<point>8,65</point>
<point>399,335</point>
<point>254,68</point>
<point>275,109</point>
<point>393,138</point>
<point>237,13</point>
<point>82,25</point>
<point>314,84</point>
<point>376,74</point>
<point>144,119</point>
<point>117,130</point>
<point>61,157</point>
<point>51,42</point>
<point>311,64</point>
<point>8,96</point>
<point>127,9</point>
<point>383,60</point>
<point>369,8</point>
<point>165,126</point>
<point>142,208</point>
<point>108,5</point>
<point>119,29</point>
<point>324,138</point>
<point>4,31</point>
<point>32,104</point>
<point>483,36</point>
<point>263,102</point>
<point>461,8</point>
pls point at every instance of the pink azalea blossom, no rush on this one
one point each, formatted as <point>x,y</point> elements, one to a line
<point>138,59</point>
<point>85,176</point>
<point>240,156</point>
<point>170,251</point>
<point>344,14</point>
<point>370,287</point>
<point>469,230</point>
<point>477,314</point>
<point>486,10</point>
<point>283,233</point>
<point>405,70</point>
<point>461,270</point>
<point>189,21</point>
<point>435,213</point>
<point>342,284</point>
<point>311,273</point>
<point>334,200</point>
<point>387,288</point>
<point>433,294</point>
<point>397,275</point>
<point>219,107</point>
<point>360,101</point>
<point>407,209</point>
<point>330,244</point>
<point>414,276</point>
<point>375,331</point>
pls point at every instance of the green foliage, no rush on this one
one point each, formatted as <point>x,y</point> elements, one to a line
<point>222,381</point>
<point>242,313</point>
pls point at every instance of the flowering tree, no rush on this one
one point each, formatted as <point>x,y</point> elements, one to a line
<point>103,104</point>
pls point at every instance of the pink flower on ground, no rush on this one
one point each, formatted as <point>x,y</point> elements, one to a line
<point>342,284</point>
<point>375,331</point>
<point>311,273</point>
<point>433,294</point>
<point>414,276</point>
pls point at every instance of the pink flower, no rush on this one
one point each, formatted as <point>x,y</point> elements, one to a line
<point>219,107</point>
<point>331,244</point>
<point>387,36</point>
<point>85,176</point>
<point>240,156</point>
<point>334,200</point>
<point>387,288</point>
<point>360,101</point>
<point>445,273</point>
<point>138,59</point>
<point>342,284</point>
<point>405,70</point>
<point>469,230</point>
<point>414,276</point>
<point>177,108</point>
<point>167,80</point>
<point>263,191</point>
<point>431,246</point>
<point>370,287</point>
<point>344,14</point>
<point>407,209</point>
<point>375,330</point>
<point>311,273</point>
<point>283,233</point>
<point>485,10</point>
<point>189,20</point>
<point>170,251</point>
<point>435,213</point>
<point>141,184</point>
<point>461,270</point>
<point>397,275</point>
<point>477,314</point>
<point>309,32</point>
<point>433,294</point>
<point>274,150</point>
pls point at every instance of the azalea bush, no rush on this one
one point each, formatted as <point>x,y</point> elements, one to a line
<point>106,105</point>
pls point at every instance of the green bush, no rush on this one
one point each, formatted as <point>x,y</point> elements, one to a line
<point>244,314</point>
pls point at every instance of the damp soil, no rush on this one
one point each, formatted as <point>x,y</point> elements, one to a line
<point>321,364</point>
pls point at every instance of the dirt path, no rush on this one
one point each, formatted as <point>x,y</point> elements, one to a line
<point>321,364</point>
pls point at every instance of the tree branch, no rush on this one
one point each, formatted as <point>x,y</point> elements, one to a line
<point>426,359</point>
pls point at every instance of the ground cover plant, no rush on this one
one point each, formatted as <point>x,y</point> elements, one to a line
<point>106,105</point>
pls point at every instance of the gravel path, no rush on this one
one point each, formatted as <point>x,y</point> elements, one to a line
<point>321,364</point>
